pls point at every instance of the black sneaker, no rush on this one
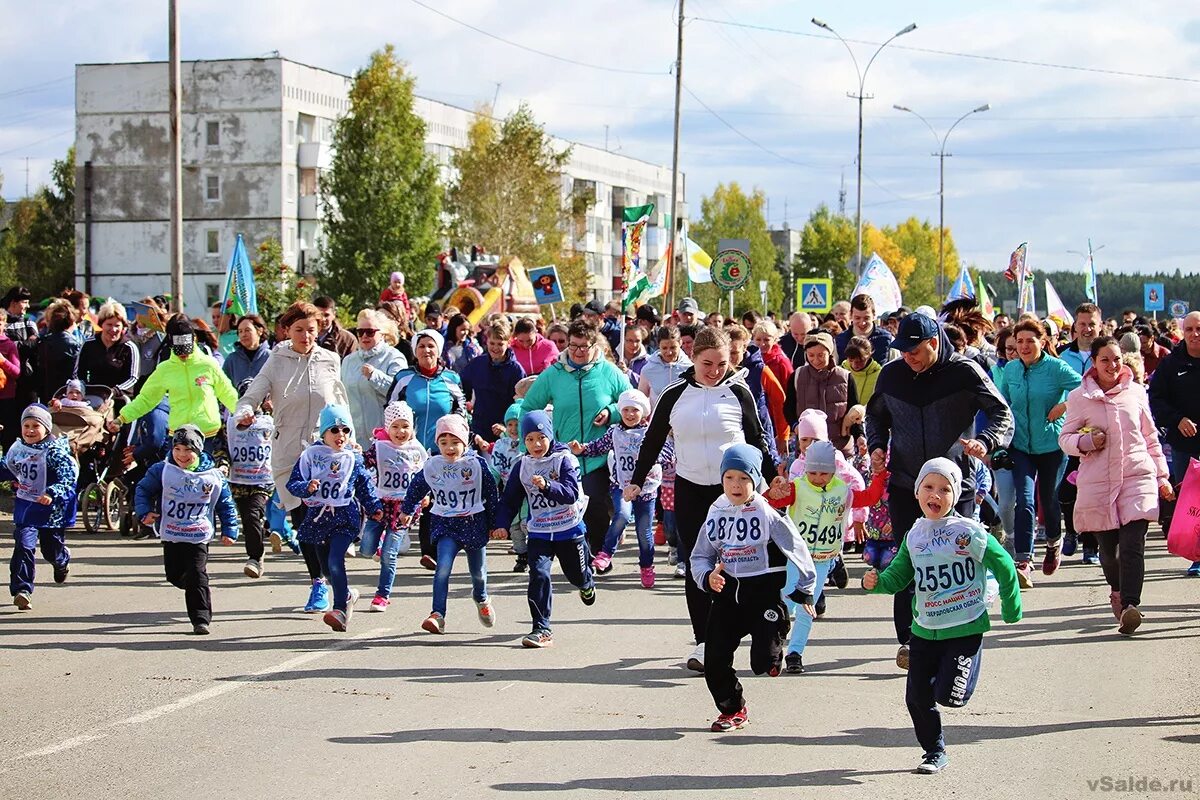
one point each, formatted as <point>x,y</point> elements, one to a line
<point>588,595</point>
<point>60,573</point>
<point>795,664</point>
<point>820,606</point>
<point>200,629</point>
<point>933,762</point>
<point>522,563</point>
<point>839,574</point>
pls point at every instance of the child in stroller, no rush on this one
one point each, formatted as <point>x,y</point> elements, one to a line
<point>80,413</point>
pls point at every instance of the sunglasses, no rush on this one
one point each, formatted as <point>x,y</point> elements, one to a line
<point>339,429</point>
<point>367,331</point>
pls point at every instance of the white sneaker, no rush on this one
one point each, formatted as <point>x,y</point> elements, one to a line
<point>680,570</point>
<point>672,556</point>
<point>350,601</point>
<point>253,568</point>
<point>487,613</point>
<point>695,661</point>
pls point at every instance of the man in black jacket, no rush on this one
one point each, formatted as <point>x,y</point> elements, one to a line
<point>924,407</point>
<point>862,323</point>
<point>1175,402</point>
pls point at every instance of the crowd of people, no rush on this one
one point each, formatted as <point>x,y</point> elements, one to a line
<point>939,447</point>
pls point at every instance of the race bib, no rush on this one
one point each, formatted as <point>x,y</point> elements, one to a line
<point>948,573</point>
<point>188,502</point>
<point>28,466</point>
<point>819,515</point>
<point>547,515</point>
<point>250,452</point>
<point>456,486</point>
<point>334,472</point>
<point>394,469</point>
<point>627,444</point>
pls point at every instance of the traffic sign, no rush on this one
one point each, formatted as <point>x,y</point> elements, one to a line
<point>815,294</point>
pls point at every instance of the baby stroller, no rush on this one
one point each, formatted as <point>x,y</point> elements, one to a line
<point>103,496</point>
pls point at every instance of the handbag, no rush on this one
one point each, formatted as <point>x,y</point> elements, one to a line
<point>1183,539</point>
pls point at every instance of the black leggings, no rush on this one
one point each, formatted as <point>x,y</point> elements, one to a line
<point>940,672</point>
<point>315,555</point>
<point>252,510</point>
<point>692,501</point>
<point>751,607</point>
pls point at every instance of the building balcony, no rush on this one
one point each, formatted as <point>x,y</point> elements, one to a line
<point>314,155</point>
<point>308,207</point>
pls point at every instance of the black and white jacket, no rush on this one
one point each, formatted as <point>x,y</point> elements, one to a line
<point>705,420</point>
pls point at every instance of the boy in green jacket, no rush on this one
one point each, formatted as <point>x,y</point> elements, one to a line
<point>948,557</point>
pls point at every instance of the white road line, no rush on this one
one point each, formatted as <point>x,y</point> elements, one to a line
<point>107,729</point>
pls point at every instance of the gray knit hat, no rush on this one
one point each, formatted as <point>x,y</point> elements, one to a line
<point>820,457</point>
<point>947,469</point>
<point>190,437</point>
<point>40,413</point>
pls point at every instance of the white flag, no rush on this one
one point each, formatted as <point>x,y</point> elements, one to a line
<point>879,282</point>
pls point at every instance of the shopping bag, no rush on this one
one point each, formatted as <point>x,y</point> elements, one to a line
<point>1183,539</point>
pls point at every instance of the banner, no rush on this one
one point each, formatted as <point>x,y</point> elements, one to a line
<point>1155,296</point>
<point>698,261</point>
<point>240,296</point>
<point>962,288</point>
<point>633,230</point>
<point>879,282</point>
<point>985,300</point>
<point>651,283</point>
<point>1055,306</point>
<point>1090,285</point>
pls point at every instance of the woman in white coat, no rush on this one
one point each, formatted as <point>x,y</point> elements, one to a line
<point>368,371</point>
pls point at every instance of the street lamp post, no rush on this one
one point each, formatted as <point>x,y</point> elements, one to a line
<point>941,156</point>
<point>862,79</point>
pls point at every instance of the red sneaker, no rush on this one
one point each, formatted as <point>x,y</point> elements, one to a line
<point>1053,558</point>
<point>731,722</point>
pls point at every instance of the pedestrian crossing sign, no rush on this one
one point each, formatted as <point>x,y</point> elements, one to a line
<point>814,294</point>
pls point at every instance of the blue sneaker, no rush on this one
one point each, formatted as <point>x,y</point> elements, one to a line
<point>318,598</point>
<point>1194,570</point>
<point>1070,544</point>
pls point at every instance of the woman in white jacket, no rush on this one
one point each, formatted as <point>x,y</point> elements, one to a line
<point>300,378</point>
<point>368,371</point>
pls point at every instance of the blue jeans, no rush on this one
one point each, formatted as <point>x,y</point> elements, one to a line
<point>1006,491</point>
<point>575,561</point>
<point>335,567</point>
<point>642,512</point>
<point>803,624</point>
<point>669,530</point>
<point>392,541</point>
<point>1045,471</point>
<point>447,549</point>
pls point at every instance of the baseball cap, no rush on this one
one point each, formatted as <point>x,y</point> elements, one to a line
<point>688,306</point>
<point>594,307</point>
<point>914,329</point>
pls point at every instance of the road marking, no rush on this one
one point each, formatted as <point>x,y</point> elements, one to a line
<point>107,729</point>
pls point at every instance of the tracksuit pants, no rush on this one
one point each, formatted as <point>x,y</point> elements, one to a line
<point>940,671</point>
<point>186,566</point>
<point>25,541</point>
<point>753,607</point>
<point>574,559</point>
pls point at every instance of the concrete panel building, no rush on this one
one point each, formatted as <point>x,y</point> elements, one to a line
<point>256,134</point>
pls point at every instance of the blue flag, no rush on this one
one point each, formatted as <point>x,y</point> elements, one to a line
<point>240,296</point>
<point>962,287</point>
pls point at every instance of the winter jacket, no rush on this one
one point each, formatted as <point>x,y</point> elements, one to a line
<point>147,497</point>
<point>457,356</point>
<point>778,362</point>
<point>752,365</point>
<point>196,389</point>
<point>1031,392</point>
<point>368,395</point>
<point>534,359</point>
<point>242,365</point>
<point>829,390</point>
<point>706,420</point>
<point>1079,360</point>
<point>578,395</point>
<point>864,381</point>
<point>881,343</point>
<point>1175,394</point>
<point>1118,483</point>
<point>493,387</point>
<point>299,387</point>
<point>325,521</point>
<point>923,415</point>
<point>431,397</point>
<point>10,362</point>
<point>62,477</point>
<point>562,489</point>
<point>57,354</point>
<point>117,366</point>
<point>338,340</point>
<point>775,397</point>
<point>657,374</point>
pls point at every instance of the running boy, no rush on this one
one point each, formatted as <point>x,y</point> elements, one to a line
<point>251,482</point>
<point>179,496</point>
<point>949,557</point>
<point>45,475</point>
<point>547,479</point>
<point>739,558</point>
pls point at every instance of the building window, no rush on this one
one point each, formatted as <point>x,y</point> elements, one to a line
<point>212,293</point>
<point>291,187</point>
<point>212,134</point>
<point>212,242</point>
<point>291,238</point>
<point>291,132</point>
<point>212,187</point>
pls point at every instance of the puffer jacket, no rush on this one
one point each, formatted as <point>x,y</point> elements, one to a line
<point>195,387</point>
<point>535,359</point>
<point>1031,392</point>
<point>1118,483</point>
<point>299,387</point>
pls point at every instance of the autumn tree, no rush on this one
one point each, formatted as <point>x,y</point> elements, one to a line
<point>507,196</point>
<point>730,213</point>
<point>919,241</point>
<point>37,248</point>
<point>382,196</point>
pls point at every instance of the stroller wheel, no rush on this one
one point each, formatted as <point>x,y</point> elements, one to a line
<point>92,508</point>
<point>116,499</point>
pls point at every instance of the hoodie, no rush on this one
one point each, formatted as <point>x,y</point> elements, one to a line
<point>46,467</point>
<point>148,497</point>
<point>535,359</point>
<point>242,365</point>
<point>659,374</point>
<point>923,415</point>
<point>493,387</point>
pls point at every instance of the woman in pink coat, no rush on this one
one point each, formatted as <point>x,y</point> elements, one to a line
<point>533,351</point>
<point>1122,473</point>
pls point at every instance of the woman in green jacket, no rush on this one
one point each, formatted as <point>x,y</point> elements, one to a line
<point>1035,385</point>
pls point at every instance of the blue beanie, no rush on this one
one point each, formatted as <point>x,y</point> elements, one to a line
<point>334,415</point>
<point>537,421</point>
<point>745,458</point>
<point>513,412</point>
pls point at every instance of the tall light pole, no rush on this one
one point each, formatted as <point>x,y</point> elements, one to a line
<point>675,166</point>
<point>862,79</point>
<point>941,156</point>
<point>175,211</point>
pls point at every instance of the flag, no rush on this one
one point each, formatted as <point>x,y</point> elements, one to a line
<point>1055,306</point>
<point>985,301</point>
<point>698,261</point>
<point>633,229</point>
<point>651,283</point>
<point>879,282</point>
<point>1016,263</point>
<point>1089,280</point>
<point>240,296</point>
<point>962,287</point>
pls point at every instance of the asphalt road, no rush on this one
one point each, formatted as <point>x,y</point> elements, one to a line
<point>106,694</point>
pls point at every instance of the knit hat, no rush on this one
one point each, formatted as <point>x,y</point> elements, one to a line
<point>75,384</point>
<point>813,424</point>
<point>633,398</point>
<point>181,336</point>
<point>40,413</point>
<point>948,470</point>
<point>820,457</point>
<point>454,425</point>
<point>397,277</point>
<point>513,412</point>
<point>437,337</point>
<point>397,409</point>
<point>537,421</point>
<point>744,458</point>
<point>334,414</point>
<point>190,437</point>
<point>822,339</point>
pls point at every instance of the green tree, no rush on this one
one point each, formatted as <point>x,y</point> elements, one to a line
<point>730,213</point>
<point>382,196</point>
<point>827,244</point>
<point>37,247</point>
<point>276,282</point>
<point>507,196</point>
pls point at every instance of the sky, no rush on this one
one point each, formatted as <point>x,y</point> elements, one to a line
<point>1094,137</point>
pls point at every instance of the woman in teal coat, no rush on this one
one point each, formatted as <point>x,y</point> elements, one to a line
<point>1035,385</point>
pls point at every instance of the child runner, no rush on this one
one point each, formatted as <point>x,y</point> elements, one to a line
<point>179,496</point>
<point>622,442</point>
<point>666,499</point>
<point>45,475</point>
<point>948,556</point>
<point>547,478</point>
<point>393,457</point>
<point>331,479</point>
<point>464,503</point>
<point>251,482</point>
<point>817,503</point>
<point>739,559</point>
<point>504,454</point>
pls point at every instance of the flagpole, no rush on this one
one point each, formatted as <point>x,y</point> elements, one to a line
<point>674,210</point>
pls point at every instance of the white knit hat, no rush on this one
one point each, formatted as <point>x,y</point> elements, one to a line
<point>633,398</point>
<point>397,409</point>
